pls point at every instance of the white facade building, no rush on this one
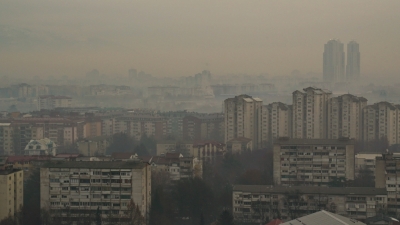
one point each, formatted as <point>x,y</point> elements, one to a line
<point>41,147</point>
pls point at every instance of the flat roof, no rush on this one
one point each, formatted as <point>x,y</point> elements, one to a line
<point>96,164</point>
<point>311,190</point>
<point>7,172</point>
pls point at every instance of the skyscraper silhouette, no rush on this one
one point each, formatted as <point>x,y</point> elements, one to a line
<point>333,61</point>
<point>353,61</point>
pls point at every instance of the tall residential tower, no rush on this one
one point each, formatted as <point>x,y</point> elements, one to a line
<point>353,61</point>
<point>333,61</point>
<point>243,119</point>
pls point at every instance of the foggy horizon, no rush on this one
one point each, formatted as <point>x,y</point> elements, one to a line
<point>178,38</point>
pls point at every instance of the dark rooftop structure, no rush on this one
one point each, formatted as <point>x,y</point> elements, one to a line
<point>312,190</point>
<point>96,164</point>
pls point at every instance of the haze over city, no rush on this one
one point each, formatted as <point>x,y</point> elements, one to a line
<point>199,112</point>
<point>179,38</point>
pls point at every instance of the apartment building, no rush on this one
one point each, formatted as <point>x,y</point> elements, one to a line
<point>312,161</point>
<point>279,124</point>
<point>92,128</point>
<point>203,127</point>
<point>75,189</point>
<point>387,176</point>
<point>260,203</point>
<point>177,166</point>
<point>208,151</point>
<point>51,102</point>
<point>95,146</point>
<point>184,147</point>
<point>139,125</point>
<point>309,117</point>
<point>345,116</point>
<point>365,161</point>
<point>381,120</point>
<point>62,131</point>
<point>243,119</point>
<point>11,189</point>
<point>6,139</point>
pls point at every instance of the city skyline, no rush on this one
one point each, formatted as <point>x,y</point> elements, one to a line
<point>72,38</point>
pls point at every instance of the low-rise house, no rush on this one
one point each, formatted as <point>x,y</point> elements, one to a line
<point>43,146</point>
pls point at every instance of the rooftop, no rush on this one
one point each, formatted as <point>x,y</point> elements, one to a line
<point>311,190</point>
<point>295,141</point>
<point>323,217</point>
<point>8,171</point>
<point>96,165</point>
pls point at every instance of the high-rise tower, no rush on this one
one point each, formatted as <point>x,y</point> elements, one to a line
<point>353,61</point>
<point>333,61</point>
<point>243,118</point>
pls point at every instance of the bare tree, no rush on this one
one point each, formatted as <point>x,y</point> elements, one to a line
<point>135,216</point>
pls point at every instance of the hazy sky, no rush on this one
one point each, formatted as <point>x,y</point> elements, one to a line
<point>183,37</point>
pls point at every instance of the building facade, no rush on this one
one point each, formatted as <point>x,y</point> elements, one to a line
<point>43,146</point>
<point>388,177</point>
<point>72,190</point>
<point>353,61</point>
<point>333,61</point>
<point>51,102</point>
<point>260,203</point>
<point>345,116</point>
<point>201,127</point>
<point>243,118</point>
<point>309,113</point>
<point>312,161</point>
<point>11,189</point>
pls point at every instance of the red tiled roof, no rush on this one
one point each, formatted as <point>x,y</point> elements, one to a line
<point>67,155</point>
<point>26,158</point>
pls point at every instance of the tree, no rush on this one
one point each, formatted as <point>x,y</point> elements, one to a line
<point>31,208</point>
<point>193,197</point>
<point>252,177</point>
<point>98,216</point>
<point>135,216</point>
<point>262,209</point>
<point>225,218</point>
<point>365,178</point>
<point>293,200</point>
<point>121,142</point>
<point>150,143</point>
<point>141,150</point>
<point>202,219</point>
<point>338,182</point>
<point>161,210</point>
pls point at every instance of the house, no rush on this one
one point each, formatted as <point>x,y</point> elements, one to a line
<point>43,146</point>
